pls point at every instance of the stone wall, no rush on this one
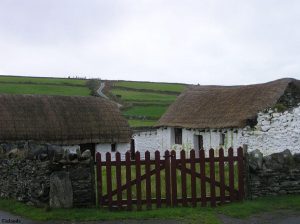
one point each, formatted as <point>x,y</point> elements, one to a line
<point>275,174</point>
<point>28,173</point>
<point>274,132</point>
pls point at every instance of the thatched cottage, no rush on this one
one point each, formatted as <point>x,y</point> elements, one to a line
<point>263,116</point>
<point>72,122</point>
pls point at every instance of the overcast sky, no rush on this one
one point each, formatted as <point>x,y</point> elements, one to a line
<point>191,41</point>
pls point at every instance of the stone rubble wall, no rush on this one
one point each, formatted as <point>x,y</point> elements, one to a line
<point>25,170</point>
<point>276,174</point>
<point>274,132</point>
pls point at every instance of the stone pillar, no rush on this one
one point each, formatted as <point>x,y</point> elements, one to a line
<point>61,192</point>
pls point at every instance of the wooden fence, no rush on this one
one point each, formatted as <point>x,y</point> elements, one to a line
<point>169,181</point>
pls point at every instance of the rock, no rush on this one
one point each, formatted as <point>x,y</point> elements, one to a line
<point>16,153</point>
<point>61,193</point>
<point>43,157</point>
<point>255,160</point>
<point>86,154</point>
<point>279,160</point>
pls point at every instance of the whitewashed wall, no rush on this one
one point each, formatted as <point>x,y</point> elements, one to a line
<point>274,132</point>
<point>147,140</point>
<point>120,147</point>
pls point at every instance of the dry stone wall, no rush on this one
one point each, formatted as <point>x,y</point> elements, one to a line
<point>275,174</point>
<point>40,174</point>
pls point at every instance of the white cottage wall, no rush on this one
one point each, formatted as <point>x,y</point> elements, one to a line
<point>274,132</point>
<point>120,147</point>
<point>146,141</point>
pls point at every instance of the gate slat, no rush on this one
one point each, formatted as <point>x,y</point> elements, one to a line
<point>108,179</point>
<point>203,175</point>
<point>174,178</point>
<point>128,180</point>
<point>193,178</point>
<point>183,178</point>
<point>99,178</point>
<point>231,174</point>
<point>119,180</point>
<point>138,179</point>
<point>212,178</point>
<point>221,175</point>
<point>148,180</point>
<point>157,179</point>
<point>168,177</point>
<point>241,173</point>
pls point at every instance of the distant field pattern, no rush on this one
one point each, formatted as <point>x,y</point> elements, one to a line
<point>148,100</point>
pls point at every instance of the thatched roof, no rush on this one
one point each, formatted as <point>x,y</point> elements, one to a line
<point>223,106</point>
<point>61,119</point>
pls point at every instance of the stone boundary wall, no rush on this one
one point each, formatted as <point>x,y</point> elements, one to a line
<point>47,175</point>
<point>276,174</point>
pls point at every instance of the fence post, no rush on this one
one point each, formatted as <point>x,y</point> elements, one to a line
<point>212,178</point>
<point>99,178</point>
<point>128,180</point>
<point>193,178</point>
<point>240,174</point>
<point>203,177</point>
<point>247,185</point>
<point>108,179</point>
<point>183,178</point>
<point>157,179</point>
<point>148,180</point>
<point>119,179</point>
<point>173,178</point>
<point>138,181</point>
<point>231,174</point>
<point>168,178</point>
<point>221,175</point>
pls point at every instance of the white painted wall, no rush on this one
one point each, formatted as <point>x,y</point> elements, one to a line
<point>120,147</point>
<point>274,132</point>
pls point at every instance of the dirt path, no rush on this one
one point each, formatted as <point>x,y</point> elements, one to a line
<point>99,91</point>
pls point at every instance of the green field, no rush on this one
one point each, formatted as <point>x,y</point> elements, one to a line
<point>43,86</point>
<point>143,96</point>
<point>147,101</point>
<point>16,88</point>
<point>152,86</point>
<point>144,102</point>
<point>38,80</point>
<point>150,111</point>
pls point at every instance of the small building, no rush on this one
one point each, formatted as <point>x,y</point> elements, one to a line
<point>263,116</point>
<point>71,122</point>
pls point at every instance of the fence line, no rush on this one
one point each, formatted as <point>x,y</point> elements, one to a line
<point>165,180</point>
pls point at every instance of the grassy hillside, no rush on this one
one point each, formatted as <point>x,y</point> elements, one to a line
<point>144,102</point>
<point>44,86</point>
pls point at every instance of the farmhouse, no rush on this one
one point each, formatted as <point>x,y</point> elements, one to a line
<point>263,116</point>
<point>73,123</point>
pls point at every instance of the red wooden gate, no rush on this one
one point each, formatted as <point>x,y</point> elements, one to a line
<point>170,181</point>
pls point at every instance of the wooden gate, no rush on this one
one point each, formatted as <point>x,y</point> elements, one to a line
<point>165,180</point>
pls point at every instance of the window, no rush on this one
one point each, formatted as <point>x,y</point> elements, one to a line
<point>222,140</point>
<point>113,147</point>
<point>200,141</point>
<point>178,136</point>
